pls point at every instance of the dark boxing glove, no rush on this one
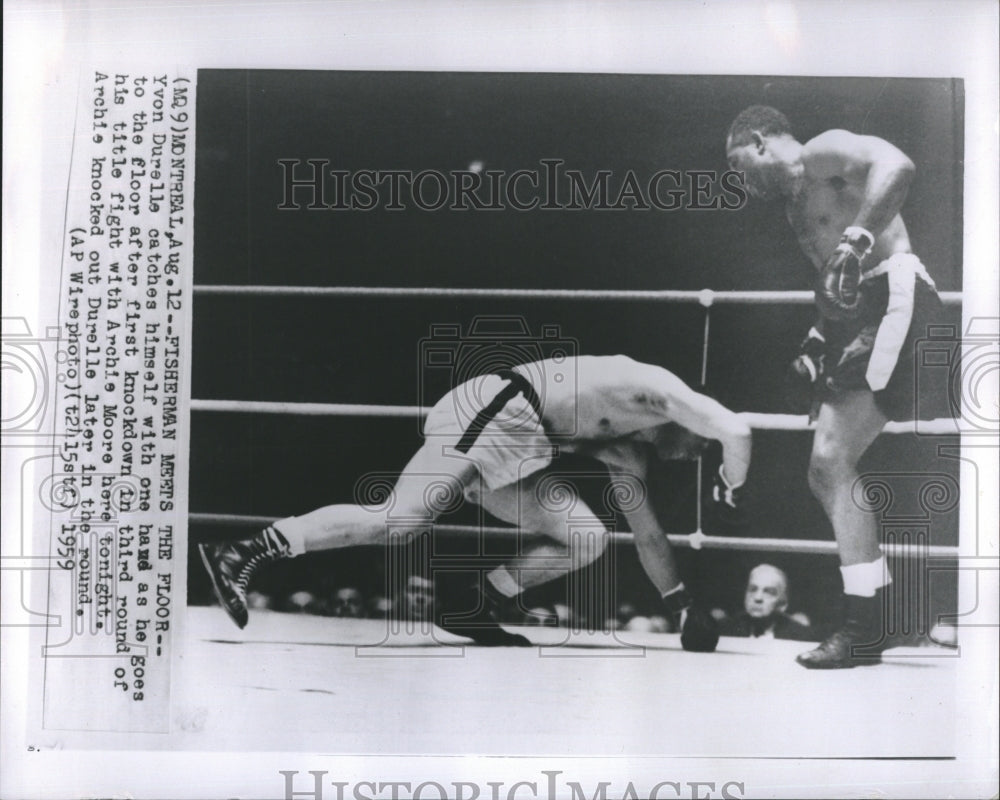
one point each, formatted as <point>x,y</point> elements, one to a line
<point>699,630</point>
<point>804,372</point>
<point>730,501</point>
<point>837,290</point>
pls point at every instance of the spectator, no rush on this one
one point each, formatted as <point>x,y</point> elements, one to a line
<point>380,606</point>
<point>639,624</point>
<point>764,607</point>
<point>625,613</point>
<point>348,602</point>
<point>720,615</point>
<point>259,600</point>
<point>418,598</point>
<point>302,602</point>
<point>660,624</point>
<point>655,623</point>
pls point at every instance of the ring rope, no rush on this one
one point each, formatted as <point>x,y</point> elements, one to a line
<point>756,420</point>
<point>705,297</point>
<point>696,541</point>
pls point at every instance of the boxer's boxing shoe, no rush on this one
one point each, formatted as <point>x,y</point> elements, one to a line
<point>232,565</point>
<point>482,626</point>
<point>858,643</point>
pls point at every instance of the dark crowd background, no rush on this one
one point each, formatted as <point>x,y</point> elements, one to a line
<point>371,350</point>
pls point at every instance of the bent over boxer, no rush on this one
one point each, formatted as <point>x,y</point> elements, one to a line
<point>842,193</point>
<point>492,439</point>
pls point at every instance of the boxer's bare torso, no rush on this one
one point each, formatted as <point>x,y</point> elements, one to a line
<point>600,398</point>
<point>832,191</point>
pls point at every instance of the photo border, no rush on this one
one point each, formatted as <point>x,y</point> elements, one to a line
<point>48,45</point>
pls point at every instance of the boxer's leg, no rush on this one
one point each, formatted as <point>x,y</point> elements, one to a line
<point>574,536</point>
<point>429,483</point>
<point>848,423</point>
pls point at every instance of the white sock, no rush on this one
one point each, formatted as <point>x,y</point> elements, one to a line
<point>504,582</point>
<point>861,580</point>
<point>678,588</point>
<point>288,529</point>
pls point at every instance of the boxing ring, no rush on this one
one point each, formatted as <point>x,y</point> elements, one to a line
<point>401,691</point>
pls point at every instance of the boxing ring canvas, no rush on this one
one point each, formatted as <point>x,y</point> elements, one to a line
<point>320,302</point>
<point>342,688</point>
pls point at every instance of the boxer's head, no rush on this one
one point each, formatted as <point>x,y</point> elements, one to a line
<point>676,443</point>
<point>760,145</point>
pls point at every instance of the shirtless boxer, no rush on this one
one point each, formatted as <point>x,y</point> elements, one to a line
<point>492,439</point>
<point>842,193</point>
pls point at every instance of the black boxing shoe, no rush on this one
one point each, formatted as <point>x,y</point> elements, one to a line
<point>858,643</point>
<point>699,630</point>
<point>483,626</point>
<point>232,565</point>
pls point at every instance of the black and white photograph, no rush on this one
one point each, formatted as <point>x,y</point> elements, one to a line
<point>365,380</point>
<point>450,417</point>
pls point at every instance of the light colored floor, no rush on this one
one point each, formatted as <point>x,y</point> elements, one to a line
<point>314,684</point>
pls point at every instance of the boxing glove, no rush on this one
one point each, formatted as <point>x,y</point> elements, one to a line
<point>838,293</point>
<point>730,500</point>
<point>699,630</point>
<point>803,373</point>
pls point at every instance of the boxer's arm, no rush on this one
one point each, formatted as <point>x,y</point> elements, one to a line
<point>880,173</point>
<point>710,419</point>
<point>631,459</point>
<point>651,543</point>
<point>882,170</point>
